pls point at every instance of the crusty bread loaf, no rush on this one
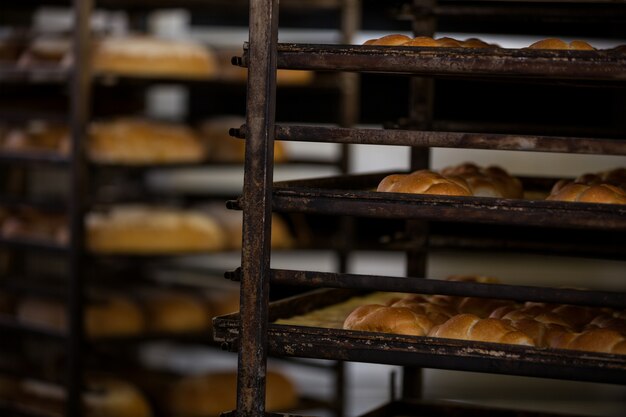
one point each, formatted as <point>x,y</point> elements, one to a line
<point>104,397</point>
<point>553,43</point>
<point>35,225</point>
<point>601,193</point>
<point>37,136</point>
<point>109,316</point>
<point>151,230</point>
<point>380,318</point>
<point>492,181</point>
<point>212,394</point>
<point>424,182</point>
<point>221,147</point>
<point>471,327</point>
<point>171,311</point>
<point>139,141</point>
<point>151,57</point>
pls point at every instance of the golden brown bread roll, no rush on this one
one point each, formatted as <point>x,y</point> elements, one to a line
<point>616,177</point>
<point>452,300</point>
<point>32,224</point>
<point>559,44</point>
<point>174,311</point>
<point>481,307</point>
<point>138,141</point>
<point>215,393</point>
<point>424,182</point>
<point>107,317</point>
<point>492,181</point>
<point>104,397</point>
<point>540,332</point>
<point>221,147</point>
<point>391,40</point>
<point>435,313</point>
<point>151,57</point>
<point>601,193</point>
<point>151,230</point>
<point>380,318</point>
<point>471,327</point>
<point>37,136</point>
<point>422,41</point>
<point>595,340</point>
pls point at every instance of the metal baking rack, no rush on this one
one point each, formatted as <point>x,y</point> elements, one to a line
<point>79,83</point>
<point>253,333</point>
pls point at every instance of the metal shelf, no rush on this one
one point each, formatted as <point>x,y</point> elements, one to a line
<point>425,139</point>
<point>326,343</point>
<point>605,65</point>
<point>351,195</point>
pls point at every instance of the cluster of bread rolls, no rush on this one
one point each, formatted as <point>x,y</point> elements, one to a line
<point>154,230</point>
<point>143,311</point>
<point>608,187</point>
<point>137,141</point>
<point>152,57</point>
<point>103,397</point>
<point>446,42</point>
<point>403,40</point>
<point>466,179</point>
<point>492,320</point>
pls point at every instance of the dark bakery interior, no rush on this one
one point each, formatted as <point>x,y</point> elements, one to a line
<point>347,208</point>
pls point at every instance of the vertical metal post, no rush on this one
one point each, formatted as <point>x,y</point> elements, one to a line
<point>348,117</point>
<point>257,207</point>
<point>79,117</point>
<point>421,115</point>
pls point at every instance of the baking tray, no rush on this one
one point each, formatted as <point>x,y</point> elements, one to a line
<point>347,345</point>
<point>600,65</point>
<point>353,195</point>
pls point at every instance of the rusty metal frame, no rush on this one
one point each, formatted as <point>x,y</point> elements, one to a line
<point>257,197</point>
<point>605,65</point>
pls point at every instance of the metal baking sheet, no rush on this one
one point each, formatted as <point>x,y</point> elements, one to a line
<point>357,346</point>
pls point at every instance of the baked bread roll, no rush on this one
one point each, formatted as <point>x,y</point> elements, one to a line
<point>492,181</point>
<point>172,311</point>
<point>380,318</point>
<point>601,193</point>
<point>32,224</point>
<point>109,316</point>
<point>231,222</point>
<point>616,177</point>
<point>389,40</point>
<point>595,340</point>
<point>36,137</point>
<point>142,56</point>
<point>146,230</point>
<point>559,44</point>
<point>215,393</point>
<point>104,397</point>
<point>453,300</point>
<point>471,327</point>
<point>221,147</point>
<point>424,182</point>
<point>136,142</point>
<point>436,313</point>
